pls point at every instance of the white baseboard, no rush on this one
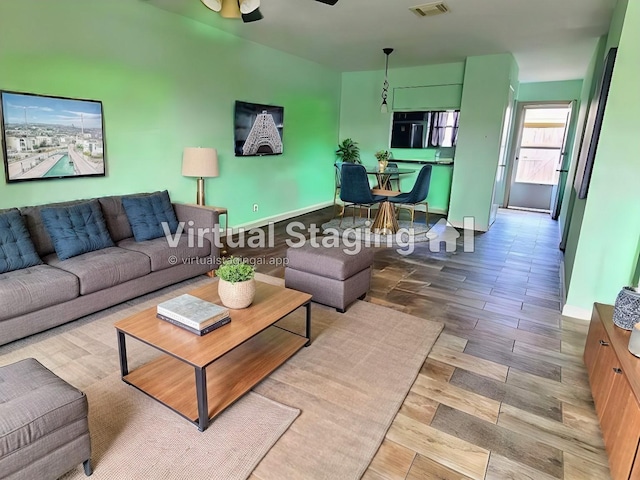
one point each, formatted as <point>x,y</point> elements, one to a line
<point>280,217</point>
<point>576,312</point>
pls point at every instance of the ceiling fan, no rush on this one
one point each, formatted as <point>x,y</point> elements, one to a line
<point>248,10</point>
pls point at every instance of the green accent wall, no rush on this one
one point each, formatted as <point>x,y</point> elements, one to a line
<point>485,96</point>
<point>607,251</point>
<point>550,91</point>
<point>415,88</point>
<point>167,82</point>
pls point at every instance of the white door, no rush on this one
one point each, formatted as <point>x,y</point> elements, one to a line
<point>539,156</point>
<point>500,186</point>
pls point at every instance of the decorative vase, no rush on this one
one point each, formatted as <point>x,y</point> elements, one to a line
<point>382,164</point>
<point>634,340</point>
<point>626,312</point>
<point>236,295</point>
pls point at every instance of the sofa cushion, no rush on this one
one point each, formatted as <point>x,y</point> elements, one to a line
<point>34,403</point>
<point>146,215</point>
<point>76,229</point>
<point>164,256</point>
<point>16,248</point>
<point>103,268</point>
<point>37,230</point>
<point>33,288</point>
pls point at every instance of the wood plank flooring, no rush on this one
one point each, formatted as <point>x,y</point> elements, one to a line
<point>504,393</point>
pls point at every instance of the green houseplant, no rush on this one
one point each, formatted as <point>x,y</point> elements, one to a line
<point>383,157</point>
<point>236,286</point>
<point>348,151</point>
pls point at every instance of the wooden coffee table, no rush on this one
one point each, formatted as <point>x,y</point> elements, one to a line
<point>198,377</point>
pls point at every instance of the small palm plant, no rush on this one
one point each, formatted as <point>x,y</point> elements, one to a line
<point>348,151</point>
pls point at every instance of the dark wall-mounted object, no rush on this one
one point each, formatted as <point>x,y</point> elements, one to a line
<point>258,129</point>
<point>425,129</point>
<point>593,126</point>
<point>46,137</point>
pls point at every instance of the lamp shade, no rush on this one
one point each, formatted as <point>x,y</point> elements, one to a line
<point>200,162</point>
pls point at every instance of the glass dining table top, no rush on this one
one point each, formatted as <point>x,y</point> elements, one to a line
<point>389,171</point>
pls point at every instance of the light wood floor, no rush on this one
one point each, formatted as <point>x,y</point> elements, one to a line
<point>504,393</point>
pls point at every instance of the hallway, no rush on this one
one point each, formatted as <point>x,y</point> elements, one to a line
<point>504,392</point>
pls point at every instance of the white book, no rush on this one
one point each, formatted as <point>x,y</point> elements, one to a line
<point>192,311</point>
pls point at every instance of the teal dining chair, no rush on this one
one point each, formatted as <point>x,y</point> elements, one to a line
<point>417,195</point>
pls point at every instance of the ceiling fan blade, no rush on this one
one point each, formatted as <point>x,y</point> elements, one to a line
<point>252,17</point>
<point>328,2</point>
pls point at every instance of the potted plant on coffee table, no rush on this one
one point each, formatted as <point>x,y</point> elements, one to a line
<point>236,285</point>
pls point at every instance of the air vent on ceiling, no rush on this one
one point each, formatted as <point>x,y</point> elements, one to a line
<point>430,9</point>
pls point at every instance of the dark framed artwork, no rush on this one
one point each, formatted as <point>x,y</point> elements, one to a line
<point>593,126</point>
<point>257,129</point>
<point>45,137</point>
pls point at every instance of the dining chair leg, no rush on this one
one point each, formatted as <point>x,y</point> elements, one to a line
<point>413,214</point>
<point>354,213</point>
<point>426,213</point>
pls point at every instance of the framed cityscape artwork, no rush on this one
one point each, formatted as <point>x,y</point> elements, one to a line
<point>46,137</point>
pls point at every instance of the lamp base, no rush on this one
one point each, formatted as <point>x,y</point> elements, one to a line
<point>200,192</point>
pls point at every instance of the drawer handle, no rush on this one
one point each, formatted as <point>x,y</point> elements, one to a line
<point>617,370</point>
<point>603,343</point>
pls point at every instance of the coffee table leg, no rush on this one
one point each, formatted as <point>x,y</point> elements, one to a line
<point>308,330</point>
<point>203,404</point>
<point>122,351</point>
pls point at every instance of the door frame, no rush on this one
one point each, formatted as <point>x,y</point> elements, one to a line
<point>517,137</point>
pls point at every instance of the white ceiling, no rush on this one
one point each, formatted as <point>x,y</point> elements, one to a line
<point>550,39</point>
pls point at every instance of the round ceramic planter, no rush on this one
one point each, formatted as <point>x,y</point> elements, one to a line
<point>236,295</point>
<point>626,312</point>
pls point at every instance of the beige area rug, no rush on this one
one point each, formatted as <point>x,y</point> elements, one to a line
<point>349,384</point>
<point>135,437</point>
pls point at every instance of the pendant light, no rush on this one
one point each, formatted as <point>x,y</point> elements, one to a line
<point>384,108</point>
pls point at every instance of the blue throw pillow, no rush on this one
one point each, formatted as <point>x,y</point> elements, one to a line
<point>76,229</point>
<point>16,248</point>
<point>147,213</point>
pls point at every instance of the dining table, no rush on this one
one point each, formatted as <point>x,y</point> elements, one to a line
<point>385,221</point>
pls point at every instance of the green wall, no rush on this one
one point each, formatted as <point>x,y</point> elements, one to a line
<point>425,87</point>
<point>484,100</point>
<point>572,209</point>
<point>167,82</point>
<point>607,251</point>
<point>550,91</point>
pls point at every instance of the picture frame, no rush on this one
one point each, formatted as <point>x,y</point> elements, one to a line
<point>593,126</point>
<point>46,137</point>
<point>258,129</point>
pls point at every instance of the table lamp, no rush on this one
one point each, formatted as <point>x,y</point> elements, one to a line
<point>200,162</point>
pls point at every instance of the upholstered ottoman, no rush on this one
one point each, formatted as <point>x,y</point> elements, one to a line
<point>334,277</point>
<point>44,431</point>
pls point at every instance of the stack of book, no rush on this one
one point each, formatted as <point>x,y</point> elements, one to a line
<point>193,314</point>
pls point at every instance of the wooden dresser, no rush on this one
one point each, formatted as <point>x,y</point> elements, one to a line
<point>614,375</point>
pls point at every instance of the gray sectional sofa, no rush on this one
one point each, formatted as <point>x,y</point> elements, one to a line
<point>57,291</point>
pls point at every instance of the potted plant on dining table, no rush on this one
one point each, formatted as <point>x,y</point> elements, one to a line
<point>383,157</point>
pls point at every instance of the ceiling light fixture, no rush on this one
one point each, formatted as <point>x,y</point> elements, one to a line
<point>248,10</point>
<point>384,108</point>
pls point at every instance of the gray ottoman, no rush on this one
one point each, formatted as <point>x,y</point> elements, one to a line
<point>333,277</point>
<point>44,431</point>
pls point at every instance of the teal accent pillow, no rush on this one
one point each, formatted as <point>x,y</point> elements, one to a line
<point>147,213</point>
<point>16,248</point>
<point>76,229</point>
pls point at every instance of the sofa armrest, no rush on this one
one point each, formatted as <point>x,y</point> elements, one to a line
<point>201,220</point>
